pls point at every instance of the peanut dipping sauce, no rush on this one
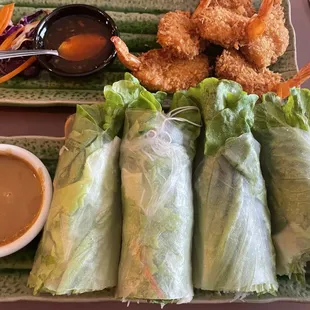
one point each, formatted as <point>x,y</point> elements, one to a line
<point>21,197</point>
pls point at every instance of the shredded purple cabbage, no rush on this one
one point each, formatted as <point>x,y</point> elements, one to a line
<point>31,18</point>
<point>8,65</point>
<point>9,30</point>
<point>22,22</point>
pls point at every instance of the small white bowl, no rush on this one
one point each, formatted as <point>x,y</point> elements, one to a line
<point>47,186</point>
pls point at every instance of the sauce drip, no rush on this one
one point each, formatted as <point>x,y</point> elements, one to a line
<point>21,198</point>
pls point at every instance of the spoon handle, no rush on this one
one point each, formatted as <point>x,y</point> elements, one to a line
<point>25,53</point>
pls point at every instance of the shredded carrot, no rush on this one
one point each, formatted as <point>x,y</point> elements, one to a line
<point>18,70</point>
<point>137,251</point>
<point>7,43</point>
<point>153,283</point>
<point>149,276</point>
<point>5,16</point>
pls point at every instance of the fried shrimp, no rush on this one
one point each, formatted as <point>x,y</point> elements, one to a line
<point>177,32</point>
<point>159,69</point>
<point>266,49</point>
<point>223,26</point>
<point>241,7</point>
<point>232,65</point>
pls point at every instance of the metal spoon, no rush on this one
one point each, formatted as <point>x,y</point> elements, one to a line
<point>25,53</point>
<point>76,48</point>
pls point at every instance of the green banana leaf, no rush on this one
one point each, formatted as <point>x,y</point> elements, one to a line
<point>233,251</point>
<point>156,168</point>
<point>282,128</point>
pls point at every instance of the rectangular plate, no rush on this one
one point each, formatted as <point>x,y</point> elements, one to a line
<point>14,269</point>
<point>137,21</point>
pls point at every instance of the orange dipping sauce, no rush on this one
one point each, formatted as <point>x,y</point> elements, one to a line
<point>21,197</point>
<point>66,34</point>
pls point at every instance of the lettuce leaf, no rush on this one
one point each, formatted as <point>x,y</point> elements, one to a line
<point>129,90</point>
<point>229,115</point>
<point>146,101</point>
<point>282,128</point>
<point>233,251</point>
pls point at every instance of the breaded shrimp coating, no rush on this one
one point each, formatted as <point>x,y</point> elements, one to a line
<point>241,7</point>
<point>232,65</point>
<point>223,26</point>
<point>159,69</point>
<point>266,49</point>
<point>177,32</point>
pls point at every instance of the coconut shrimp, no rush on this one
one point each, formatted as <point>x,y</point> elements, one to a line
<point>241,7</point>
<point>232,65</point>
<point>159,69</point>
<point>177,32</point>
<point>266,49</point>
<point>223,26</point>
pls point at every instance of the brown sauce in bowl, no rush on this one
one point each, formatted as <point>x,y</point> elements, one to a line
<point>21,197</point>
<point>73,25</point>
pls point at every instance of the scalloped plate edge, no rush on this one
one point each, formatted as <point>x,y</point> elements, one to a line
<point>30,137</point>
<point>72,103</point>
<point>292,32</point>
<point>59,299</point>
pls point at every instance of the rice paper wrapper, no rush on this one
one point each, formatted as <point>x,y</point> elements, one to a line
<point>233,251</point>
<point>286,166</point>
<point>156,168</point>
<point>80,248</point>
<point>283,129</point>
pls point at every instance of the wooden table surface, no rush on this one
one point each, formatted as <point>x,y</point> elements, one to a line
<point>50,121</point>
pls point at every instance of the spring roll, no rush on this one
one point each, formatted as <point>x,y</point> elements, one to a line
<point>233,250</point>
<point>156,168</point>
<point>283,129</point>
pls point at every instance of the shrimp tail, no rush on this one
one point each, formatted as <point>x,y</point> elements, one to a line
<point>130,61</point>
<point>257,24</point>
<point>265,9</point>
<point>302,76</point>
<point>203,4</point>
<point>283,89</point>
